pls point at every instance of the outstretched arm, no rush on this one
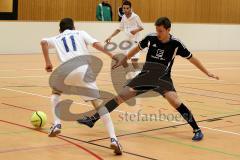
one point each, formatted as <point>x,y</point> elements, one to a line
<point>99,47</point>
<point>45,51</point>
<point>112,35</point>
<point>133,32</point>
<point>199,65</point>
<point>130,54</point>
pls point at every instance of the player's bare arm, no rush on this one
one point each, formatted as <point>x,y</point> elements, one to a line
<point>199,65</point>
<point>130,54</point>
<point>135,31</point>
<point>48,66</point>
<point>99,47</point>
<point>112,35</point>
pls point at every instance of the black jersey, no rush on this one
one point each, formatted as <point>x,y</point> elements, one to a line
<point>163,53</point>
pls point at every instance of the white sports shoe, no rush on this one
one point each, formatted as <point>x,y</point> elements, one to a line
<point>116,146</point>
<point>54,130</point>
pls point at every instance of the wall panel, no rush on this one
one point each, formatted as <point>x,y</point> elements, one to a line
<point>197,11</point>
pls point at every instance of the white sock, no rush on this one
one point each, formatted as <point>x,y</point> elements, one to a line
<point>54,101</point>
<point>106,118</point>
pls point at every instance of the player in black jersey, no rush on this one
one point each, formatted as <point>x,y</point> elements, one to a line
<point>156,73</point>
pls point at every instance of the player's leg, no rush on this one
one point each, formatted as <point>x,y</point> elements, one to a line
<point>135,59</point>
<point>135,64</point>
<point>132,72</point>
<point>125,94</point>
<point>136,86</point>
<point>128,71</point>
<point>107,121</point>
<point>174,100</point>
<point>56,127</point>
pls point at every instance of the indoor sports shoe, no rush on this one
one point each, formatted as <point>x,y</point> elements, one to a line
<point>55,130</point>
<point>86,121</point>
<point>116,146</point>
<point>198,135</point>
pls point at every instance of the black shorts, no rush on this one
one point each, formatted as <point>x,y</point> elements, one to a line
<point>145,82</point>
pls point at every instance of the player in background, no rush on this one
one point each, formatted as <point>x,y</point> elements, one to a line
<point>120,11</point>
<point>71,43</point>
<point>131,24</point>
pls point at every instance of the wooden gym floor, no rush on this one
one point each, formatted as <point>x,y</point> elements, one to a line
<point>215,104</point>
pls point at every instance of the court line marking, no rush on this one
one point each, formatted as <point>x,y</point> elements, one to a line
<point>208,90</point>
<point>41,69</point>
<point>195,69</point>
<point>133,154</point>
<point>130,153</point>
<point>75,144</point>
<point>197,77</point>
<point>213,129</point>
<point>16,77</point>
<point>192,146</point>
<point>148,136</point>
<point>209,96</point>
<point>178,75</point>
<point>82,104</point>
<point>30,148</point>
<point>39,95</point>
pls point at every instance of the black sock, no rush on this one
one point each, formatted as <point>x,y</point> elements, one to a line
<point>187,115</point>
<point>110,105</point>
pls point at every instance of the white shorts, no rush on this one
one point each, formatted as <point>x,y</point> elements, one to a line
<point>83,77</point>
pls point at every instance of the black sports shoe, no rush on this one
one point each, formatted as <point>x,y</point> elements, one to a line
<point>198,135</point>
<point>88,121</point>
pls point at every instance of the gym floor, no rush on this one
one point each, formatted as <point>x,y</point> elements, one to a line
<point>215,104</point>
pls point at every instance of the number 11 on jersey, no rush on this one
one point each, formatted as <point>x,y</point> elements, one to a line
<point>66,45</point>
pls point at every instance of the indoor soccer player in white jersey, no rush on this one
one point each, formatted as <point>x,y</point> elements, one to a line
<point>131,24</point>
<point>71,43</point>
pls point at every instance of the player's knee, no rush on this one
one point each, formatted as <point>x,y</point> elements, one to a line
<point>119,99</point>
<point>173,99</point>
<point>122,98</point>
<point>176,103</point>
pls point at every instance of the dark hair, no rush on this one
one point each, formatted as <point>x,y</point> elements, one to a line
<point>66,23</point>
<point>163,21</point>
<point>128,3</point>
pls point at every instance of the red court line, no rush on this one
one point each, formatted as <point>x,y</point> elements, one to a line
<point>75,144</point>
